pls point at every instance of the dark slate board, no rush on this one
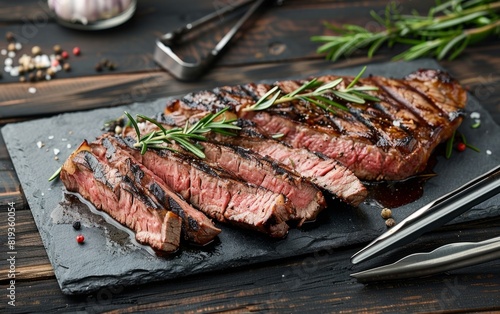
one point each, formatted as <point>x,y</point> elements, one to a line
<point>110,257</point>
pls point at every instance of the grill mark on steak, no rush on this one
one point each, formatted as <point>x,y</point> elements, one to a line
<point>217,193</point>
<point>118,196</point>
<point>196,226</point>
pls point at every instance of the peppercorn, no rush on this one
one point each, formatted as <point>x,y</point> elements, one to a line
<point>111,66</point>
<point>39,75</point>
<point>32,77</point>
<point>67,67</point>
<point>461,147</point>
<point>22,79</point>
<point>98,67</point>
<point>51,72</point>
<point>386,213</point>
<point>76,51</point>
<point>57,49</point>
<point>10,36</point>
<point>80,238</point>
<point>390,223</point>
<point>105,62</point>
<point>77,225</point>
<point>36,50</point>
<point>11,47</point>
<point>65,54</point>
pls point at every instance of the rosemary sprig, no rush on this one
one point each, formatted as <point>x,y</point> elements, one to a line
<point>444,32</point>
<point>314,92</point>
<point>183,136</point>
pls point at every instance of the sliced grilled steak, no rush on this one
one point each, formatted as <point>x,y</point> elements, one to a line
<point>244,164</point>
<point>196,226</point>
<point>326,173</point>
<point>117,195</point>
<point>391,139</point>
<point>215,192</point>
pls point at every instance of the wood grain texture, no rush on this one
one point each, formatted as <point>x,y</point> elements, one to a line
<point>276,46</point>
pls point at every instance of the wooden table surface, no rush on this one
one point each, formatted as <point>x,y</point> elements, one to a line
<point>276,45</point>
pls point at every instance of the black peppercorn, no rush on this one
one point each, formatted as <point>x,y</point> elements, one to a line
<point>10,36</point>
<point>77,225</point>
<point>98,67</point>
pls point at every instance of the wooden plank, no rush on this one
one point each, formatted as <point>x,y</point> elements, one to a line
<point>317,282</point>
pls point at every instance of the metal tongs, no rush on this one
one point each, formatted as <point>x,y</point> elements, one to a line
<point>427,218</point>
<point>184,70</point>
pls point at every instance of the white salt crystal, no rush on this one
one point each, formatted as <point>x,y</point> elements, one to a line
<point>475,115</point>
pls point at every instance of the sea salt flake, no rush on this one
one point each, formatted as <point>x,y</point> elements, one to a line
<point>68,146</point>
<point>39,144</point>
<point>14,71</point>
<point>64,139</point>
<point>11,54</point>
<point>31,90</point>
<point>8,62</point>
<point>396,123</point>
<point>3,52</point>
<point>51,137</point>
<point>56,151</point>
<point>475,115</point>
<point>488,152</point>
<point>19,46</point>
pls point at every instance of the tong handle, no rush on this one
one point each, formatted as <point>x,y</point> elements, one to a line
<point>165,56</point>
<point>172,36</point>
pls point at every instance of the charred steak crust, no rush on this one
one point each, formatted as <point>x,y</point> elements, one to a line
<point>388,140</point>
<point>196,226</point>
<point>117,195</point>
<point>216,193</point>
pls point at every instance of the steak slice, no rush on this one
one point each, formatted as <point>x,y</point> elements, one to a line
<point>215,192</point>
<point>117,195</point>
<point>196,227</point>
<point>387,140</point>
<point>326,173</point>
<point>307,200</point>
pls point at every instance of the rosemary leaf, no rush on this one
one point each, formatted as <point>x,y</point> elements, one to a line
<point>349,97</point>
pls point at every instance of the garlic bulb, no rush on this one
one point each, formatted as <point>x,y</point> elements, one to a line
<point>89,11</point>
